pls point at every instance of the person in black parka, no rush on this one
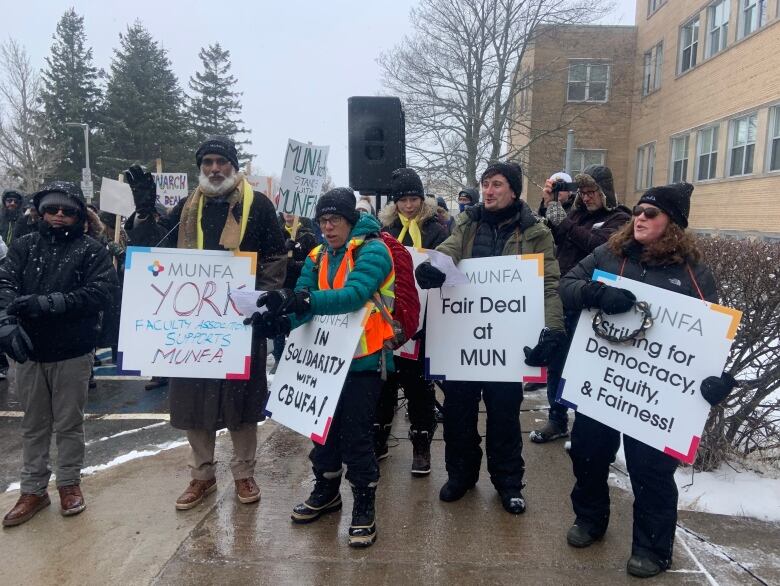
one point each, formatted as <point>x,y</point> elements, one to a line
<point>654,249</point>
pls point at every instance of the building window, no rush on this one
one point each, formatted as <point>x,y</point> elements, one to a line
<point>717,27</point>
<point>742,144</point>
<point>653,5</point>
<point>645,166</point>
<point>679,164</point>
<point>588,81</point>
<point>581,158</point>
<point>651,79</point>
<point>707,153</point>
<point>752,16</point>
<point>774,139</point>
<point>689,45</point>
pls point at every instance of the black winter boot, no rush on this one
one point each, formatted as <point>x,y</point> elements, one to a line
<point>643,567</point>
<point>362,530</point>
<point>381,435</point>
<point>325,498</point>
<point>421,452</point>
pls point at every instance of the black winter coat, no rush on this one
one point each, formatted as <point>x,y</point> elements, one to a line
<point>673,277</point>
<point>433,233</point>
<point>214,404</point>
<point>50,261</point>
<point>8,225</point>
<point>582,231</point>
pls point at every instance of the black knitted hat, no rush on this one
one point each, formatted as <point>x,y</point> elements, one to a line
<point>472,194</point>
<point>404,182</point>
<point>340,201</point>
<point>511,171</point>
<point>218,145</point>
<point>13,194</point>
<point>674,199</point>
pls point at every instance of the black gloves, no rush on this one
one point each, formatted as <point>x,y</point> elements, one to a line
<point>428,276</point>
<point>144,189</point>
<point>269,326</point>
<point>285,301</point>
<point>549,351</point>
<point>33,306</point>
<point>610,299</point>
<point>290,245</point>
<point>14,341</point>
<point>716,388</point>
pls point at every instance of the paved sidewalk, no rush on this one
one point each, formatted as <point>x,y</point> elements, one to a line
<point>131,534</point>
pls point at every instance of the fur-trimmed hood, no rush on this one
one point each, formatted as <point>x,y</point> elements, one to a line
<point>94,225</point>
<point>388,215</point>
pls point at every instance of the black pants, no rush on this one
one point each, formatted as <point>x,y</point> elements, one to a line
<point>593,449</point>
<point>351,436</point>
<point>420,395</point>
<point>504,444</point>
<point>559,413</point>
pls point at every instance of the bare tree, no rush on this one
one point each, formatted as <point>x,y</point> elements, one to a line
<point>23,144</point>
<point>458,75</point>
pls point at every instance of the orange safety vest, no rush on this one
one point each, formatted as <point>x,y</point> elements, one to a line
<point>376,329</point>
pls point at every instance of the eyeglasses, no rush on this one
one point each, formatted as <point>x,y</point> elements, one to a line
<point>588,193</point>
<point>68,212</point>
<point>334,221</point>
<point>649,213</point>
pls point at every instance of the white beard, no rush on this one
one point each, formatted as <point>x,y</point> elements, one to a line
<point>227,185</point>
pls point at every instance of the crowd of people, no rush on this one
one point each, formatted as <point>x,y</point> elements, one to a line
<point>62,272</point>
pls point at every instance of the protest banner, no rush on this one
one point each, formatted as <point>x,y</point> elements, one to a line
<point>305,167</point>
<point>171,188</point>
<point>307,384</point>
<point>411,349</point>
<point>177,315</point>
<point>482,327</point>
<point>648,388</point>
<point>116,197</point>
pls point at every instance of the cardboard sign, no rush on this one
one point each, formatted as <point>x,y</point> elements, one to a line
<point>171,188</point>
<point>482,327</point>
<point>308,382</point>
<point>305,168</point>
<point>116,197</point>
<point>178,319</point>
<point>411,349</point>
<point>649,388</point>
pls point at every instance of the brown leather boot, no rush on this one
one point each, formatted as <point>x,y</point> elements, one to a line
<point>25,509</point>
<point>71,500</point>
<point>195,493</point>
<point>247,490</point>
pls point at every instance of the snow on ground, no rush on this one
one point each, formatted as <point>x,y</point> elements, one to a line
<point>723,492</point>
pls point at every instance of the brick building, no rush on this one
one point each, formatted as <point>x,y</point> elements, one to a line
<point>692,92</point>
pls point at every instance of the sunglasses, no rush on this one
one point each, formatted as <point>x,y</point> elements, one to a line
<point>649,213</point>
<point>68,212</point>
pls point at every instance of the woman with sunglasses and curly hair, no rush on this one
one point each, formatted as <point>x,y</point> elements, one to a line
<point>653,248</point>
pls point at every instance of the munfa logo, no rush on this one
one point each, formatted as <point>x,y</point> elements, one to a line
<point>156,268</point>
<point>675,282</point>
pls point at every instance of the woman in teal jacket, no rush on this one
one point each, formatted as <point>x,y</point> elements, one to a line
<point>323,289</point>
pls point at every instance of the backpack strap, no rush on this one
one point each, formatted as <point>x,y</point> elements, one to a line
<point>695,283</point>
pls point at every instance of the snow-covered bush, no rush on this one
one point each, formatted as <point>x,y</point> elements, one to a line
<point>748,422</point>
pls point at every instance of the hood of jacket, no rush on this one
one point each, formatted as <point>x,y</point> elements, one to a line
<point>389,214</point>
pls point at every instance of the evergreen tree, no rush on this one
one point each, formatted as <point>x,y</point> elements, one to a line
<point>70,93</point>
<point>144,114</point>
<point>215,107</point>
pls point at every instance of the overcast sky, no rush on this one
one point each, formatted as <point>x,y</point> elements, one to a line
<point>296,61</point>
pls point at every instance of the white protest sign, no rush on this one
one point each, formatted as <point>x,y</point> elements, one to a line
<point>649,388</point>
<point>481,328</point>
<point>178,318</point>
<point>411,349</point>
<point>308,382</point>
<point>443,262</point>
<point>262,183</point>
<point>116,197</point>
<point>171,188</point>
<point>305,167</point>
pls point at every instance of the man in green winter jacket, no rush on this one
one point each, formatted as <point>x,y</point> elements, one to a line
<point>338,277</point>
<point>502,224</point>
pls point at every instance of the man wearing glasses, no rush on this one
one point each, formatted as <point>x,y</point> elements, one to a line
<point>211,218</point>
<point>53,284</point>
<point>594,216</point>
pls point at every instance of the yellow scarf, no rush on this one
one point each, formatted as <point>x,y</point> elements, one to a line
<point>191,231</point>
<point>413,229</point>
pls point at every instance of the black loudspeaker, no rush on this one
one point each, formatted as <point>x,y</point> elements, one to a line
<point>377,142</point>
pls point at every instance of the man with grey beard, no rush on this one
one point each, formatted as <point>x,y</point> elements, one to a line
<point>211,219</point>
